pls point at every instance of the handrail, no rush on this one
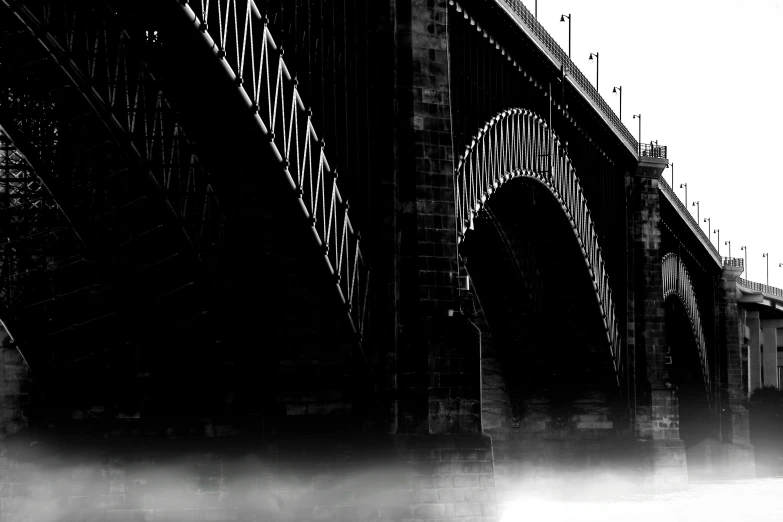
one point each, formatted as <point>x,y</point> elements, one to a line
<point>758,287</point>
<point>536,31</point>
<point>648,150</point>
<point>683,210</point>
<point>735,262</point>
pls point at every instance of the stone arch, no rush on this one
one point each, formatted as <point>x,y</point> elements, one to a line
<point>677,282</point>
<point>517,143</point>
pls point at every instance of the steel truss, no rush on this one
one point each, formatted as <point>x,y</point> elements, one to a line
<point>126,155</point>
<point>518,143</point>
<point>102,60</point>
<point>36,235</point>
<point>240,36</point>
<point>677,281</point>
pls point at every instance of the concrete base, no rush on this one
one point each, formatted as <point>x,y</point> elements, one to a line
<point>664,465</point>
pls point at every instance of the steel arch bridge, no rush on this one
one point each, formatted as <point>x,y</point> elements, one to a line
<point>517,143</point>
<point>179,257</point>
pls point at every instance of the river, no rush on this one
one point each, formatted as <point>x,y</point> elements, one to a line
<point>752,500</point>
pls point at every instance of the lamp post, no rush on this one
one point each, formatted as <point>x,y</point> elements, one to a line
<point>728,243</point>
<point>717,230</point>
<point>766,254</point>
<point>596,68</point>
<point>640,135</point>
<point>562,19</point>
<point>672,164</point>
<point>536,9</point>
<point>745,248</point>
<point>615,90</point>
<point>685,185</point>
<point>707,220</point>
<point>696,204</point>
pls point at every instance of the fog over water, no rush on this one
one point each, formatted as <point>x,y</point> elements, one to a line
<point>753,500</point>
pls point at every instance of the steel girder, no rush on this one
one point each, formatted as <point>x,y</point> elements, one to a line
<point>103,138</point>
<point>677,282</point>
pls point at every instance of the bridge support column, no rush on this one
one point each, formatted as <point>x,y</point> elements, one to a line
<point>657,415</point>
<point>738,460</point>
<point>754,351</point>
<point>438,356</point>
<point>769,332</point>
<point>438,362</point>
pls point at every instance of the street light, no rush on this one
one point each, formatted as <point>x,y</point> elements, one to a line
<point>686,194</point>
<point>696,204</point>
<point>562,19</point>
<point>640,134</point>
<point>728,243</point>
<point>596,68</point>
<point>717,230</point>
<point>766,254</point>
<point>707,220</point>
<point>746,260</point>
<point>614,91</point>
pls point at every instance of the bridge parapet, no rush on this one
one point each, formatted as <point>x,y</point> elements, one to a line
<point>734,262</point>
<point>652,151</point>
<point>541,38</point>
<point>758,287</point>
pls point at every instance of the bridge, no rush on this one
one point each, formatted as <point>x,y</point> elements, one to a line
<point>285,260</point>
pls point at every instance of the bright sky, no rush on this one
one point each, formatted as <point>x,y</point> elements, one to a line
<point>706,77</point>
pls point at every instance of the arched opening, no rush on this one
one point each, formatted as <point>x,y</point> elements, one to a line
<point>550,395</point>
<point>698,424</point>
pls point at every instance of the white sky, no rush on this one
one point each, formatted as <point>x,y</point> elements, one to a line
<point>707,78</point>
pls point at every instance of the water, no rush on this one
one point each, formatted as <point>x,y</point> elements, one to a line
<point>756,500</point>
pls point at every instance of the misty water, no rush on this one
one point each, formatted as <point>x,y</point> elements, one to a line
<point>756,500</point>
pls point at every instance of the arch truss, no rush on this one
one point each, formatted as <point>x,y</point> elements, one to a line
<point>517,143</point>
<point>677,281</point>
<point>240,36</point>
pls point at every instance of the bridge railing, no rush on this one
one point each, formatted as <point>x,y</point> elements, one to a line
<point>758,287</point>
<point>736,262</point>
<point>546,41</point>
<point>687,215</point>
<point>652,151</point>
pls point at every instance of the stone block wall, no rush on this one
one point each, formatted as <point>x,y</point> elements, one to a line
<point>437,373</point>
<point>657,420</point>
<point>736,456</point>
<point>14,387</point>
